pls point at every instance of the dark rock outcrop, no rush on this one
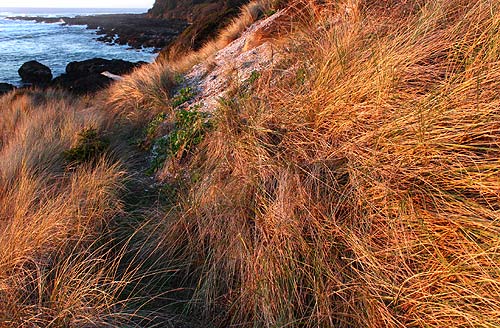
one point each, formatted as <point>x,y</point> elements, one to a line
<point>99,65</point>
<point>35,73</point>
<point>85,76</point>
<point>82,84</point>
<point>192,10</point>
<point>6,87</point>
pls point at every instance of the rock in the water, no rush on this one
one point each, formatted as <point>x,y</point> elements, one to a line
<point>35,73</point>
<point>6,87</point>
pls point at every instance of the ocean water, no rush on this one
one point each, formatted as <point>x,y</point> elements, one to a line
<point>56,45</point>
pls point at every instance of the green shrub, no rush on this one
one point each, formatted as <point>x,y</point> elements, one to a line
<point>301,76</point>
<point>151,130</point>
<point>184,95</point>
<point>254,76</point>
<point>179,78</point>
<point>189,130</point>
<point>89,147</point>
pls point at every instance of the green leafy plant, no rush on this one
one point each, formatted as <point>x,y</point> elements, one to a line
<point>184,95</point>
<point>151,130</point>
<point>89,146</point>
<point>155,122</point>
<point>270,12</point>
<point>301,76</point>
<point>189,130</point>
<point>254,76</point>
<point>179,78</point>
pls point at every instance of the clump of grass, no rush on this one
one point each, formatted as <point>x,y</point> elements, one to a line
<point>56,267</point>
<point>144,93</point>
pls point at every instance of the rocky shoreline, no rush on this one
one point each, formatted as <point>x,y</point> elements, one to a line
<point>135,30</point>
<point>81,77</point>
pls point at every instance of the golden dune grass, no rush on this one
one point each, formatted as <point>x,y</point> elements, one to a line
<point>53,272</point>
<point>355,184</point>
<point>362,189</point>
<point>143,93</point>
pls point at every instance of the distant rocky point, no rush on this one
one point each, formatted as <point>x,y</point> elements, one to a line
<point>136,30</point>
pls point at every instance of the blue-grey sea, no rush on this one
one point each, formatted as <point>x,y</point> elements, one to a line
<point>55,45</point>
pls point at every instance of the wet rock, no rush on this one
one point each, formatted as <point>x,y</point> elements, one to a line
<point>82,84</point>
<point>105,39</point>
<point>85,76</point>
<point>35,73</point>
<point>99,65</point>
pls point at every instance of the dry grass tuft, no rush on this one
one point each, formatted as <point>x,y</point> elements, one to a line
<point>142,94</point>
<point>54,268</point>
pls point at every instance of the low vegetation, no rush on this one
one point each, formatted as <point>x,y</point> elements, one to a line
<point>89,147</point>
<point>54,269</point>
<point>355,183</point>
<point>184,94</point>
<point>188,130</point>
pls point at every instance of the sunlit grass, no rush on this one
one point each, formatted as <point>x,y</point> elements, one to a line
<point>355,184</point>
<point>362,189</point>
